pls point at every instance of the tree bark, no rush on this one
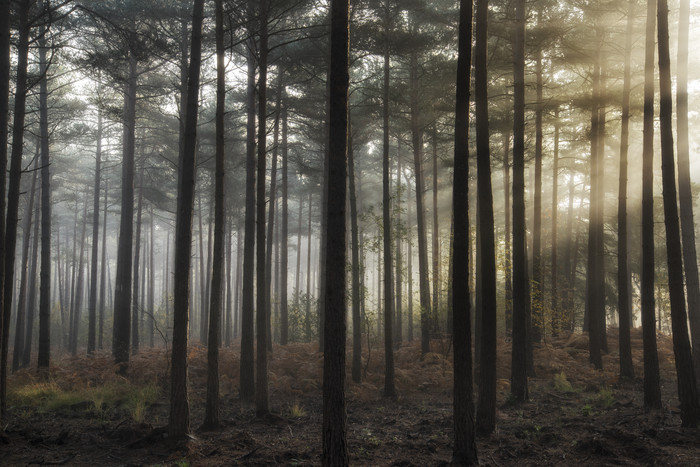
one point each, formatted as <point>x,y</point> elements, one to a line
<point>464,448</point>
<point>335,448</point>
<point>284,240</point>
<point>103,272</point>
<point>355,249</point>
<point>687,388</point>
<point>538,319</point>
<point>27,351</point>
<point>135,308</point>
<point>92,301</point>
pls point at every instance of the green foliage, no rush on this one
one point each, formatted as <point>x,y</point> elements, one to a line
<point>303,318</point>
<point>562,384</point>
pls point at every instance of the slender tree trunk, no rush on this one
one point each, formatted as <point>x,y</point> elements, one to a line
<point>26,357</point>
<point>151,287</point>
<point>230,318</point>
<point>436,237</point>
<point>122,287</point>
<point>284,240</point>
<point>203,318</point>
<point>355,249</point>
<point>298,271</point>
<point>307,315</point>
<point>417,139</point>
<point>103,273</point>
<point>78,301</point>
<point>652,380</point>
<point>508,268</point>
<point>389,388</point>
<point>464,448</point>
<point>398,337</point>
<point>409,265</point>
<point>4,119</point>
<point>262,400</point>
<point>211,413</point>
<point>623,277</point>
<point>18,350</point>
<point>687,388</point>
<point>685,192</point>
<point>92,301</point>
<point>335,448</point>
<point>13,193</point>
<point>538,320</point>
<point>486,410</point>
<point>179,424</point>
<point>135,321</point>
<point>247,390</point>
<point>521,298</point>
<point>556,315</point>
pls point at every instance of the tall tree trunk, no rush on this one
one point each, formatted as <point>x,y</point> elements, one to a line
<point>284,253</point>
<point>623,277</point>
<point>409,265</point>
<point>464,448</point>
<point>13,194</point>
<point>4,119</point>
<point>538,320</point>
<point>556,314</point>
<point>486,411</point>
<point>335,448</point>
<point>307,314</point>
<point>355,249</point>
<point>150,309</point>
<point>398,337</point>
<point>103,272</point>
<point>31,303</point>
<point>92,301</point>
<point>389,388</point>
<point>78,303</point>
<point>179,424</point>
<point>508,267</point>
<point>203,318</point>
<point>135,308</point>
<point>247,372</point>
<point>436,237</point>
<point>417,139</point>
<point>685,192</point>
<point>262,400</point>
<point>521,298</point>
<point>271,215</point>
<point>687,388</point>
<point>211,413</point>
<point>652,380</point>
<point>18,350</point>
<point>122,287</point>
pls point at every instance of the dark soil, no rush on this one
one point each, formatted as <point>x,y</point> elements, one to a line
<point>575,415</point>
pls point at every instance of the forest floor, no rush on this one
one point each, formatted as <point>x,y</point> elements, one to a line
<point>86,415</point>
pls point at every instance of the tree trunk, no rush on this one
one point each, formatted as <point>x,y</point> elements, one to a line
<point>13,194</point>
<point>18,350</point>
<point>687,388</point>
<point>623,276</point>
<point>389,389</point>
<point>436,237</point>
<point>4,119</point>
<point>521,299</point>
<point>685,192</point>
<point>26,357</point>
<point>464,448</point>
<point>538,320</point>
<point>307,314</point>
<point>355,249</point>
<point>247,390</point>
<point>262,400</point>
<point>556,314</point>
<point>179,423</point>
<point>409,266</point>
<point>652,380</point>
<point>508,267</point>
<point>271,215</point>
<point>135,308</point>
<point>335,448</point>
<point>486,411</point>
<point>78,301</point>
<point>103,273</point>
<point>122,287</point>
<point>92,301</point>
<point>211,413</point>
<point>203,317</point>
<point>284,250</point>
<point>150,309</point>
<point>398,332</point>
<point>417,139</point>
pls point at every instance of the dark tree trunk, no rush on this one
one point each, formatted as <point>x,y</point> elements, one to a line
<point>18,350</point>
<point>78,300</point>
<point>436,237</point>
<point>389,389</point>
<point>464,448</point>
<point>486,410</point>
<point>122,286</point>
<point>687,388</point>
<point>685,192</point>
<point>521,296</point>
<point>203,317</point>
<point>409,267</point>
<point>398,325</point>
<point>556,314</point>
<point>179,423</point>
<point>417,139</point>
<point>135,308</point>
<point>103,273</point>
<point>31,302</point>
<point>335,448</point>
<point>652,380</point>
<point>150,310</point>
<point>13,194</point>
<point>623,276</point>
<point>211,414</point>
<point>284,240</point>
<point>262,400</point>
<point>508,268</point>
<point>4,118</point>
<point>307,313</point>
<point>247,372</point>
<point>538,320</point>
<point>92,301</point>
<point>355,249</point>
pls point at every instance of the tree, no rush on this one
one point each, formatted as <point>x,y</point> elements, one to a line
<point>4,118</point>
<point>521,298</point>
<point>652,384</point>
<point>464,448</point>
<point>92,301</point>
<point>486,411</point>
<point>623,276</point>
<point>335,448</point>
<point>179,424</point>
<point>687,388</point>
<point>211,415</point>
